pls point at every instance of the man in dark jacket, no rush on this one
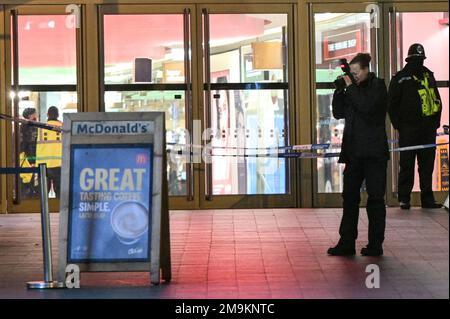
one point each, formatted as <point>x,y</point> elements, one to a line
<point>28,150</point>
<point>29,135</point>
<point>414,106</point>
<point>365,152</point>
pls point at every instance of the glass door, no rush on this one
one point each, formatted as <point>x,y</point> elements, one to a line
<point>339,31</point>
<point>41,80</point>
<point>152,65</point>
<point>146,66</point>
<point>425,23</point>
<point>247,105</point>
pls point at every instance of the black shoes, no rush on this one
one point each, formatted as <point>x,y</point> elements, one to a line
<point>349,250</point>
<point>341,250</point>
<point>431,205</point>
<point>405,205</point>
<point>372,251</point>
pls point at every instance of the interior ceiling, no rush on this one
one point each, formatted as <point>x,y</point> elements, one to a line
<point>48,41</point>
<point>331,21</point>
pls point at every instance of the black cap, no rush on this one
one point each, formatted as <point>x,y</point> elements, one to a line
<point>416,51</point>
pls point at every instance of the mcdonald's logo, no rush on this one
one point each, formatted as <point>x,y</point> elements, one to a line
<point>141,159</point>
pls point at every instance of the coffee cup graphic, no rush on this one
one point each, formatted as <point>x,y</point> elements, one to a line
<point>129,220</point>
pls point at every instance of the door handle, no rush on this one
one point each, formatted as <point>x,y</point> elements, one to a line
<point>15,88</point>
<point>188,99</point>
<point>206,56</point>
<point>393,40</point>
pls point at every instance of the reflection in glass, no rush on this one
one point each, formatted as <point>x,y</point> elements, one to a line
<point>143,46</point>
<point>154,53</point>
<point>47,56</point>
<point>248,48</point>
<point>170,102</point>
<point>47,50</point>
<point>329,130</point>
<point>247,119</point>
<point>34,106</point>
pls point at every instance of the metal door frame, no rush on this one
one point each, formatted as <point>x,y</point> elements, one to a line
<point>3,149</point>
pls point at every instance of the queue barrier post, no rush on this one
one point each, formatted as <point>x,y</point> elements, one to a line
<point>45,226</point>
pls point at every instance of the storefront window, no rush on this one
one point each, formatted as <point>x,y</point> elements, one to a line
<point>143,48</point>
<point>249,119</point>
<point>170,102</point>
<point>146,49</point>
<point>47,50</point>
<point>248,50</point>
<point>245,48</point>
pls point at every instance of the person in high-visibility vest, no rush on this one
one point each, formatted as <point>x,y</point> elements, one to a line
<point>49,150</point>
<point>415,107</point>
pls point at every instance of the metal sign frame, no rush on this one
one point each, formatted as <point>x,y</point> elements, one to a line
<point>159,247</point>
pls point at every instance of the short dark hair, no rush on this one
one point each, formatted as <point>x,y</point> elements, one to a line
<point>52,113</point>
<point>363,59</point>
<point>28,112</point>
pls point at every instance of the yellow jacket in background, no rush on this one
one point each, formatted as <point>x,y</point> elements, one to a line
<point>49,146</point>
<point>26,178</point>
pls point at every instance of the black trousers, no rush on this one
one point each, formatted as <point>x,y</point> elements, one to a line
<point>425,163</point>
<point>374,173</point>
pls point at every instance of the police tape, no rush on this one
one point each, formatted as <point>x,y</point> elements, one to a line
<point>437,134</point>
<point>273,155</point>
<point>416,147</point>
<point>302,147</point>
<point>300,154</point>
<point>19,170</point>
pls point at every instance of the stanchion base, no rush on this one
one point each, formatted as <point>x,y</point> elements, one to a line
<point>45,285</point>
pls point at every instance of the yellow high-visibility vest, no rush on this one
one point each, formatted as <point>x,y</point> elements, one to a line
<point>49,146</point>
<point>430,103</point>
<point>26,178</point>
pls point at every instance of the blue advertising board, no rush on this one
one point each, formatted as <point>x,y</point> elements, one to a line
<point>110,208</point>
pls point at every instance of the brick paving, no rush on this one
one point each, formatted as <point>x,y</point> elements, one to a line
<point>263,253</point>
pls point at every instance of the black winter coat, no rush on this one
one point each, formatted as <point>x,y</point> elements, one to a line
<point>364,109</point>
<point>404,102</point>
<point>28,142</point>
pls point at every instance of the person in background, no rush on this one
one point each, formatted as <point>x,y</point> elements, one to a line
<point>414,106</point>
<point>49,150</point>
<point>362,102</point>
<point>28,138</point>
